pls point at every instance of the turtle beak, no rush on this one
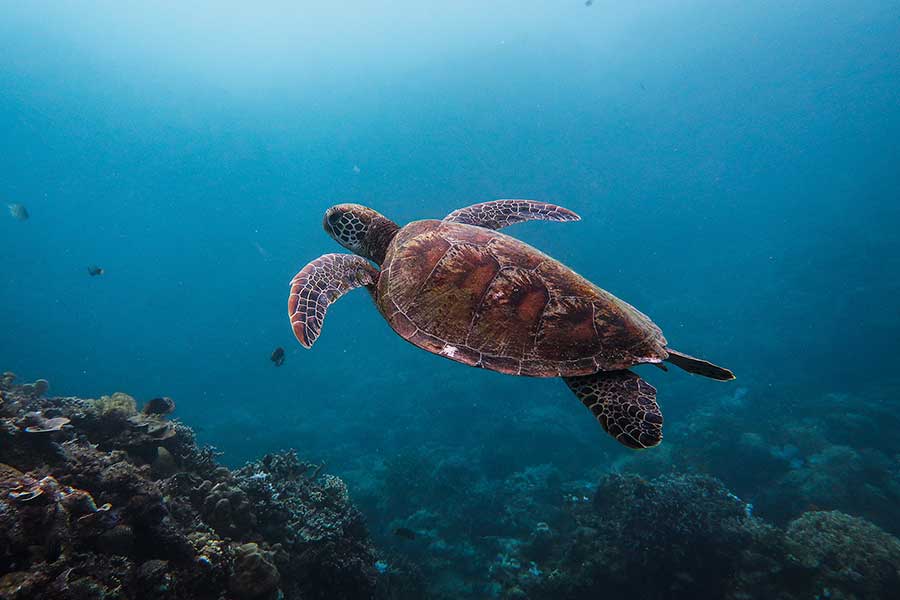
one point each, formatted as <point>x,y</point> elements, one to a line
<point>326,221</point>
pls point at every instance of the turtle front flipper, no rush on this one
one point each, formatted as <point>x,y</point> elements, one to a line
<point>320,283</point>
<point>500,213</point>
<point>624,404</point>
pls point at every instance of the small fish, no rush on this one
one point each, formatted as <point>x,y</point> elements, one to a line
<point>18,211</point>
<point>159,406</point>
<point>262,251</point>
<point>356,169</point>
<point>405,532</point>
<point>278,356</point>
<point>94,270</point>
<point>589,3</point>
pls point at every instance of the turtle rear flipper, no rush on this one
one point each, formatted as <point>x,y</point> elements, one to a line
<point>624,404</point>
<point>698,366</point>
<point>320,283</point>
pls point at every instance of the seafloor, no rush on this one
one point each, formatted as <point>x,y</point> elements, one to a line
<point>105,499</point>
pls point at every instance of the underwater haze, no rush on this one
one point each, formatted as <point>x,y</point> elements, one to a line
<point>736,167</point>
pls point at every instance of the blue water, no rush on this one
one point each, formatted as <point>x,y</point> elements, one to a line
<point>736,166</point>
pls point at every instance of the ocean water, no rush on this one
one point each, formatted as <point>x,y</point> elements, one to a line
<point>736,167</point>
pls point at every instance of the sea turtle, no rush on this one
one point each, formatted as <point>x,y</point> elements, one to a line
<point>460,289</point>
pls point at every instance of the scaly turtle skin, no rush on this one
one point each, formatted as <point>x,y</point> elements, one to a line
<point>462,290</point>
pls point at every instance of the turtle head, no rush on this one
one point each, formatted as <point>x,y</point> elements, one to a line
<point>360,229</point>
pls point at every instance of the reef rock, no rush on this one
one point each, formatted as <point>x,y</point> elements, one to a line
<point>689,537</point>
<point>98,500</point>
<point>848,555</point>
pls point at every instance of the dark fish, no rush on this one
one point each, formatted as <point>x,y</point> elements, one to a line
<point>159,406</point>
<point>589,3</point>
<point>278,356</point>
<point>18,211</point>
<point>405,532</point>
<point>94,270</point>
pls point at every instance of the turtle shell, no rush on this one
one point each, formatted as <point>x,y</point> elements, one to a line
<point>488,300</point>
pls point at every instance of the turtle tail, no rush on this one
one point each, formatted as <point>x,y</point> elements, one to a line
<point>698,366</point>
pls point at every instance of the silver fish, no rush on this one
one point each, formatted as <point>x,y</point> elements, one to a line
<point>18,211</point>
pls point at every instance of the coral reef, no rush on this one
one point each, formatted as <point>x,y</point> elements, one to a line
<point>463,521</point>
<point>689,537</point>
<point>99,500</point>
<point>848,556</point>
<point>495,481</point>
<point>534,535</point>
<point>797,451</point>
<point>111,498</point>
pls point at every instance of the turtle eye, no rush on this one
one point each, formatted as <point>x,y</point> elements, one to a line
<point>334,218</point>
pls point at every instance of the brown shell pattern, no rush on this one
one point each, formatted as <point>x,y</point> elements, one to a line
<point>485,299</point>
